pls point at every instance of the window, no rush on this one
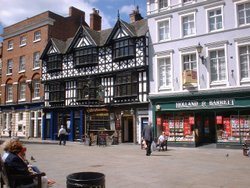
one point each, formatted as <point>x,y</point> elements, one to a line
<point>54,63</point>
<point>85,57</point>
<point>36,88</point>
<point>189,69</point>
<point>37,36</point>
<point>188,25</point>
<point>36,60</point>
<point>22,63</point>
<point>126,85</point>
<point>124,49</point>
<point>244,53</point>
<point>22,89</point>
<point>56,93</point>
<point>215,19</point>
<point>244,13</point>
<point>187,1</point>
<point>163,4</point>
<point>9,66</point>
<point>10,45</point>
<point>164,70</point>
<point>163,30</point>
<point>23,40</point>
<point>9,92</point>
<point>217,65</point>
<point>20,116</point>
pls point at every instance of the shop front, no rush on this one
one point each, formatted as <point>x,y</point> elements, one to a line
<point>197,120</point>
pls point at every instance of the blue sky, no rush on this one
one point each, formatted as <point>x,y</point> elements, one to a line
<point>14,11</point>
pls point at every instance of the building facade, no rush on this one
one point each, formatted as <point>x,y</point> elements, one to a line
<point>22,92</point>
<point>97,81</point>
<point>199,83</point>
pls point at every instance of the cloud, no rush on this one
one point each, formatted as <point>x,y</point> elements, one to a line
<point>14,11</point>
<point>127,9</point>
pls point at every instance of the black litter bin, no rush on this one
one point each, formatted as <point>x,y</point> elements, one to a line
<point>86,180</point>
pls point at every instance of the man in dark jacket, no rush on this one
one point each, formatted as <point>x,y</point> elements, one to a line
<point>148,137</point>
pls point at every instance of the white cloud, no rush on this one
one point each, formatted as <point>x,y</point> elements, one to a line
<point>127,9</point>
<point>17,10</point>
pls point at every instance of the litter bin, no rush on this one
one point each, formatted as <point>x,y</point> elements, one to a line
<point>86,180</point>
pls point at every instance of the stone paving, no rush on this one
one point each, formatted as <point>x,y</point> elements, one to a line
<point>126,165</point>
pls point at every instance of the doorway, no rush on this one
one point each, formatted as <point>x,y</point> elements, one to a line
<point>206,128</point>
<point>127,129</point>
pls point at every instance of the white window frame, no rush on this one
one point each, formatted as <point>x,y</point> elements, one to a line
<point>247,79</point>
<point>9,67</point>
<point>217,82</point>
<point>182,24</point>
<point>21,91</point>
<point>9,93</point>
<point>10,45</point>
<point>22,62</point>
<point>23,41</point>
<point>163,2</point>
<point>170,85</point>
<point>36,60</point>
<point>237,13</point>
<point>208,18</point>
<point>167,36</point>
<point>36,89</point>
<point>37,36</point>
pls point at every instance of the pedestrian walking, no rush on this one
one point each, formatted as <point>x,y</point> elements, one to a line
<point>62,135</point>
<point>9,132</point>
<point>148,137</point>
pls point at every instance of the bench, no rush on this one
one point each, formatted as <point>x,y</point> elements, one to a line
<point>9,180</point>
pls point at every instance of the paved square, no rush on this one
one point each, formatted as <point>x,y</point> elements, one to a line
<point>126,165</point>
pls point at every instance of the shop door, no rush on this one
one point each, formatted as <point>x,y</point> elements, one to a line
<point>127,123</point>
<point>205,122</point>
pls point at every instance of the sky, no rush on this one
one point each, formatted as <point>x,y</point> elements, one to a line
<point>13,11</point>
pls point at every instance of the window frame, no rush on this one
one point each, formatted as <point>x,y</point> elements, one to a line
<point>36,60</point>
<point>162,71</point>
<point>183,35</point>
<point>22,62</point>
<point>86,56</point>
<point>9,67</point>
<point>10,45</point>
<point>238,16</point>
<point>36,84</point>
<point>56,93</point>
<point>21,91</point>
<point>54,63</point>
<point>23,41</point>
<point>163,4</point>
<point>166,28</point>
<point>124,50</point>
<point>242,79</point>
<point>37,36</point>
<point>218,72</point>
<point>208,11</point>
<point>9,93</point>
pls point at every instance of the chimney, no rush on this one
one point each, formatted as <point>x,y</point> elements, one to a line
<point>95,20</point>
<point>74,12</point>
<point>135,15</point>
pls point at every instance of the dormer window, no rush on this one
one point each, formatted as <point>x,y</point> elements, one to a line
<point>54,63</point>
<point>124,49</point>
<point>85,57</point>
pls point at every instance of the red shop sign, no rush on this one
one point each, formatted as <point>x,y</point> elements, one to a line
<point>191,120</point>
<point>158,121</point>
<point>218,119</point>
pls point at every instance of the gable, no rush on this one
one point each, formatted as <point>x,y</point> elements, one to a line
<point>52,50</point>
<point>120,33</point>
<point>82,41</point>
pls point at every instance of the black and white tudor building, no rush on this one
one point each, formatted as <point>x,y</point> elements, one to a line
<point>97,82</point>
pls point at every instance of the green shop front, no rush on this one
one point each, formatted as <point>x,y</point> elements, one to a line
<point>196,119</point>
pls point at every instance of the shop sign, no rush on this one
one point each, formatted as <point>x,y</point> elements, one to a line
<point>205,104</point>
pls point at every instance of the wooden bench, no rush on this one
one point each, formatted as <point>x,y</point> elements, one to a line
<point>9,180</point>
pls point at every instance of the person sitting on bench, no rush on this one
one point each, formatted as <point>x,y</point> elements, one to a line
<point>162,142</point>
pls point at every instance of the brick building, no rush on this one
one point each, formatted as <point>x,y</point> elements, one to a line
<point>22,91</point>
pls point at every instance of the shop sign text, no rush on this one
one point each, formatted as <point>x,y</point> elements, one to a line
<point>205,104</point>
